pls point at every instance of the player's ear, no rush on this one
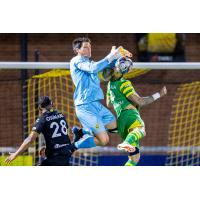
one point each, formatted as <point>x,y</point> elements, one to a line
<point>76,50</point>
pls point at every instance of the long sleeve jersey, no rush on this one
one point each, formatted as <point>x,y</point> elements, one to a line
<point>84,74</point>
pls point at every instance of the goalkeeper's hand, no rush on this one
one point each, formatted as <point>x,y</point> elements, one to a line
<point>117,53</point>
<point>124,52</point>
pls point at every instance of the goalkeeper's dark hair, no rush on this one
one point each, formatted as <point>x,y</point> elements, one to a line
<point>77,43</point>
<point>45,102</point>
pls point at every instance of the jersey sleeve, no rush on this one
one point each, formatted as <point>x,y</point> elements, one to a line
<point>127,89</point>
<point>38,126</point>
<point>91,66</point>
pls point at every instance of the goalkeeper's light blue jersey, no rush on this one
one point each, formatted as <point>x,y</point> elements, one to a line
<point>84,74</point>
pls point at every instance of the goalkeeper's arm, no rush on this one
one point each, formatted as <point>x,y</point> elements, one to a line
<point>95,67</point>
<point>24,146</point>
<point>143,101</point>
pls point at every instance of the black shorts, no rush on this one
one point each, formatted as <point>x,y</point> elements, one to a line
<point>59,160</point>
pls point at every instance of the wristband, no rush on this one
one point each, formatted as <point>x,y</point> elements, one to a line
<point>156,96</point>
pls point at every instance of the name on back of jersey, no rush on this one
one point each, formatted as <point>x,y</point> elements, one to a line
<point>52,117</point>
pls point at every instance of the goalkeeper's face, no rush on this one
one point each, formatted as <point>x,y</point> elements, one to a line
<point>85,50</point>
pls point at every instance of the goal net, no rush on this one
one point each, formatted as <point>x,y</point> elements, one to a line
<point>172,123</point>
<point>184,132</point>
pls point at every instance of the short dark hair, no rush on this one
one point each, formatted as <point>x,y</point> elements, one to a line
<point>77,43</point>
<point>44,101</point>
<point>107,74</point>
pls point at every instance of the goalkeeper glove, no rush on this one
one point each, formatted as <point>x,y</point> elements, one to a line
<point>117,53</point>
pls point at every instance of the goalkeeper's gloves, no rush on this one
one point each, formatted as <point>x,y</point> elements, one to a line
<point>117,53</point>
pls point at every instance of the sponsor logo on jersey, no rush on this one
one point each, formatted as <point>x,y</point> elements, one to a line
<point>119,103</point>
<point>57,146</point>
<point>97,126</point>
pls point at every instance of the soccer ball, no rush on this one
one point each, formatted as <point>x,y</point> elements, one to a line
<point>124,64</point>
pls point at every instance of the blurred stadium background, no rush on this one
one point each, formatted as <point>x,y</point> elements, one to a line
<point>172,123</point>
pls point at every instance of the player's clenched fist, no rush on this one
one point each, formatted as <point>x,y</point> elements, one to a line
<point>163,91</point>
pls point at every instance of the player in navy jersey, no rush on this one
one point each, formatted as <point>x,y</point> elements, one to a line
<point>53,125</point>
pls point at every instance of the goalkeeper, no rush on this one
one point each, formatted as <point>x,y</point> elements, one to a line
<point>126,103</point>
<point>88,94</point>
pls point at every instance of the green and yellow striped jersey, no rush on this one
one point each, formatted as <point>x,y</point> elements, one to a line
<point>117,93</point>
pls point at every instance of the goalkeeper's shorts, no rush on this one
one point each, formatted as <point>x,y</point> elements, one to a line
<point>94,116</point>
<point>128,119</point>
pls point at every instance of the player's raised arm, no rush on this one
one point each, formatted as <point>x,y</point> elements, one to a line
<point>24,146</point>
<point>95,67</point>
<point>143,101</point>
<point>91,66</point>
<point>82,48</point>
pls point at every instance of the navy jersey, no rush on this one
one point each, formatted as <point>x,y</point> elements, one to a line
<point>54,127</point>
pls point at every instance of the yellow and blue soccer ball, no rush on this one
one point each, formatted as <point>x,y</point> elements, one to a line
<point>124,64</point>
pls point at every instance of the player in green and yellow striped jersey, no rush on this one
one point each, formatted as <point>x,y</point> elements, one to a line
<point>126,102</point>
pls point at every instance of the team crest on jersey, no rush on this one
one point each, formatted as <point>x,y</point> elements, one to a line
<point>97,126</point>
